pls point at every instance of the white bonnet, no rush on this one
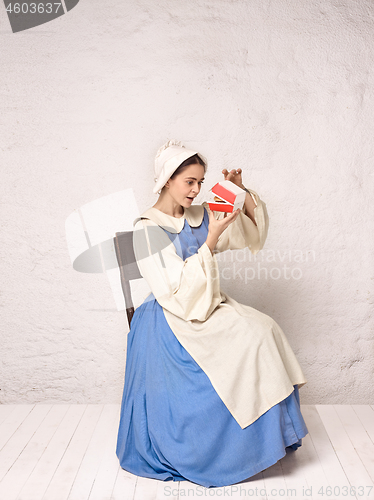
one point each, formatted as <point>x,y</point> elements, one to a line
<point>168,159</point>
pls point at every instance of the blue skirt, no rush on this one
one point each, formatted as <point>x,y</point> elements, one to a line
<point>173,424</point>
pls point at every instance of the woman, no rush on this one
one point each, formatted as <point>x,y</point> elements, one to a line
<point>211,385</point>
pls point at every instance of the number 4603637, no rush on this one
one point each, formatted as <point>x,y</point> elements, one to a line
<point>33,8</point>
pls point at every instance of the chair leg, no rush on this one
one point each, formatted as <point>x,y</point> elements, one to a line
<point>130,313</point>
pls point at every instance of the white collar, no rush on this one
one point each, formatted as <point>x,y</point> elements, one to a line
<point>194,216</point>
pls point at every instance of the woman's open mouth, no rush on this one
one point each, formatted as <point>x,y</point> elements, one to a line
<point>189,198</point>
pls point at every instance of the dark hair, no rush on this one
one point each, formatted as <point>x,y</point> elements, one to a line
<point>192,160</point>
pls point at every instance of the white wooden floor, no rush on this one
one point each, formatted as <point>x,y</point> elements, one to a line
<point>67,452</point>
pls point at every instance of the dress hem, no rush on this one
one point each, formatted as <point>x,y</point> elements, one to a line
<point>237,479</point>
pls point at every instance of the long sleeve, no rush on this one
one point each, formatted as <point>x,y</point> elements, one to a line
<point>243,232</point>
<point>189,288</point>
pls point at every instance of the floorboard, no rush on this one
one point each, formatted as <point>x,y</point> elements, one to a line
<point>67,452</point>
<point>41,476</point>
<point>354,469</point>
<point>20,471</point>
<point>94,455</point>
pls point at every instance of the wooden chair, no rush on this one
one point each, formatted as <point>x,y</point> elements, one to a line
<point>129,270</point>
<point>128,267</point>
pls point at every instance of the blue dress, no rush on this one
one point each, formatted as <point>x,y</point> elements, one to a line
<point>173,424</point>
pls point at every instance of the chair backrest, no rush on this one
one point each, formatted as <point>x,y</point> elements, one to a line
<point>128,267</point>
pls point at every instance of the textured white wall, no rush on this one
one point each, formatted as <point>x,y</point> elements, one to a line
<point>282,89</point>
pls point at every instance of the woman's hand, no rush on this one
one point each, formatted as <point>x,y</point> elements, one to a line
<point>216,227</point>
<point>234,176</point>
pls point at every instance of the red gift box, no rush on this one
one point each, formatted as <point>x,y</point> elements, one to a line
<point>225,196</point>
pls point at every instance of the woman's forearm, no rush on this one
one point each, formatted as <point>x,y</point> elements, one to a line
<point>211,241</point>
<point>250,206</point>
<point>216,228</point>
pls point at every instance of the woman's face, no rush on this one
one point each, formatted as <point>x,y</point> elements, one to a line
<point>186,186</point>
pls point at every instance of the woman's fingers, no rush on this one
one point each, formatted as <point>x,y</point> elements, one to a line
<point>218,226</point>
<point>235,175</point>
<point>227,219</point>
<point>230,218</point>
<point>232,214</point>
